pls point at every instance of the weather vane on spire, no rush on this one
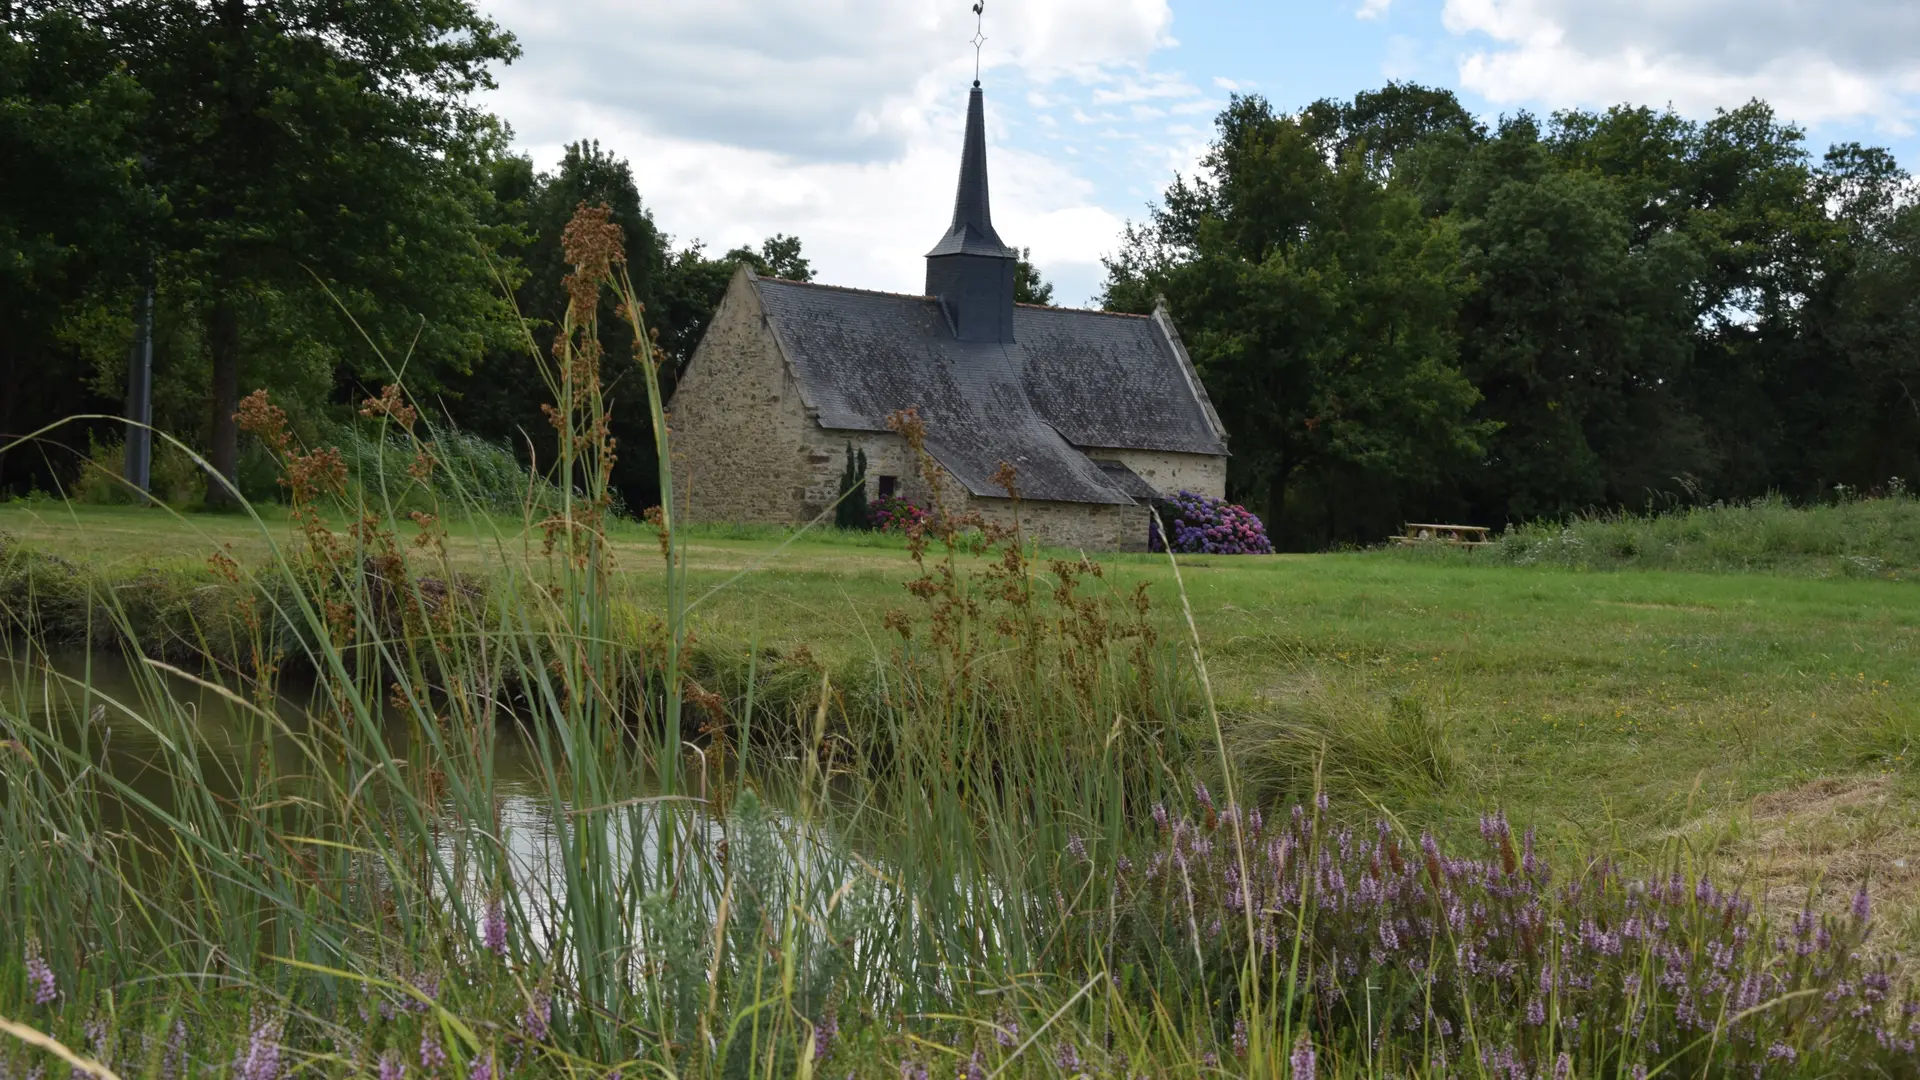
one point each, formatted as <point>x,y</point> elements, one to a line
<point>979,36</point>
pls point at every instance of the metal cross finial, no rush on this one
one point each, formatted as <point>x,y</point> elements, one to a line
<point>979,36</point>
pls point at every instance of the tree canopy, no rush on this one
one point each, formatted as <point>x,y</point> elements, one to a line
<point>1403,313</point>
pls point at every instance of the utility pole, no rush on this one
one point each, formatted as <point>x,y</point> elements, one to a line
<point>139,443</point>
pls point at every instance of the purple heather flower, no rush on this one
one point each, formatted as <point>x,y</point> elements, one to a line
<point>1862,905</point>
<point>1536,1013</point>
<point>975,1068</point>
<point>1240,1037</point>
<point>823,1033</point>
<point>1160,817</point>
<point>1076,847</point>
<point>1302,1059</point>
<point>493,929</point>
<point>1067,1057</point>
<point>1562,1066</point>
<point>261,1059</point>
<point>1006,1032</point>
<point>432,1054</point>
<point>392,1067</point>
<point>539,1012</point>
<point>1202,796</point>
<point>173,1061</point>
<point>912,1070</point>
<point>482,1067</point>
<point>1780,1051</point>
<point>40,978</point>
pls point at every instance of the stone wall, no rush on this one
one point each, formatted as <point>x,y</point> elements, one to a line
<point>738,427</point>
<point>1169,471</point>
<point>1088,526</point>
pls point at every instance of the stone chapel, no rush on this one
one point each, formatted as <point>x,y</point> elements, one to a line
<point>1097,412</point>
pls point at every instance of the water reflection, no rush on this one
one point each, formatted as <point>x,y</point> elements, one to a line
<point>126,720</point>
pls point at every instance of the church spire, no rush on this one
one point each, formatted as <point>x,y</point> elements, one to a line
<point>972,230</point>
<point>970,270</point>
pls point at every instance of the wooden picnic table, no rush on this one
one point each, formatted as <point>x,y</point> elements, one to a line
<point>1464,535</point>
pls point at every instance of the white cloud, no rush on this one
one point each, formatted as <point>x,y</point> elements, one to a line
<point>1371,10</point>
<point>1815,62</point>
<point>837,120</point>
<point>1230,85</point>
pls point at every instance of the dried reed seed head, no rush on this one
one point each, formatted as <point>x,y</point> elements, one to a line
<point>593,245</point>
<point>262,419</point>
<point>390,403</point>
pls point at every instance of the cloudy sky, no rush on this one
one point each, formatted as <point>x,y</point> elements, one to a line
<point>839,120</point>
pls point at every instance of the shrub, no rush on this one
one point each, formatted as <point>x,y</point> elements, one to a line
<point>1202,525</point>
<point>895,514</point>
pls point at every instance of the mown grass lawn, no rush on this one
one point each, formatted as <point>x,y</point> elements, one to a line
<point>1774,717</point>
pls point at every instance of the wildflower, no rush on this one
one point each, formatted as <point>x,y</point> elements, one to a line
<point>261,1059</point>
<point>1006,1032</point>
<point>40,977</point>
<point>493,929</point>
<point>1067,1057</point>
<point>1780,1051</point>
<point>823,1033</point>
<point>482,1067</point>
<point>392,1067</point>
<point>173,1061</point>
<point>1076,847</point>
<point>1562,1066</point>
<point>432,1054</point>
<point>1160,817</point>
<point>539,1012</point>
<point>912,1070</point>
<point>975,1068</point>
<point>1302,1059</point>
<point>1202,796</point>
<point>1536,1013</point>
<point>1862,906</point>
<point>1240,1037</point>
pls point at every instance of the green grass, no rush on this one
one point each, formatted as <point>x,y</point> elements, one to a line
<point>1860,538</point>
<point>1599,705</point>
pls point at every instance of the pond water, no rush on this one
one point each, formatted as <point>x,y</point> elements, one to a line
<point>96,700</point>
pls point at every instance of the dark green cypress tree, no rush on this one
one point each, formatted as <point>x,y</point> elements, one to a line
<point>851,510</point>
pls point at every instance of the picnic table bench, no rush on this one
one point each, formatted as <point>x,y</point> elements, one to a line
<point>1464,535</point>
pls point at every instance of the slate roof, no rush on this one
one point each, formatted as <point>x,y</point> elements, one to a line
<point>1071,379</point>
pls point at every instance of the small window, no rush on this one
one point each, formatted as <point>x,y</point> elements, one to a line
<point>887,486</point>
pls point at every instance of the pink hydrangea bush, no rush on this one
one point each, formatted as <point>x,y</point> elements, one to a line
<point>895,514</point>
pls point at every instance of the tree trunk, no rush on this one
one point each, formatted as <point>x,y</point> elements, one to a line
<point>223,449</point>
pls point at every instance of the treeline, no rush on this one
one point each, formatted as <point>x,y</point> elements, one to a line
<point>1403,314</point>
<point>318,206</point>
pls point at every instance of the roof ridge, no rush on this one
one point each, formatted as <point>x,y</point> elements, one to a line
<point>1082,310</point>
<point>842,288</point>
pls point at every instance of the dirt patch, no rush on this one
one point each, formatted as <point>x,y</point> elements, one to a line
<point>1824,840</point>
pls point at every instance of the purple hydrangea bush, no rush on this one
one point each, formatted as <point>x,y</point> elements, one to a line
<point>1484,965</point>
<point>1202,525</point>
